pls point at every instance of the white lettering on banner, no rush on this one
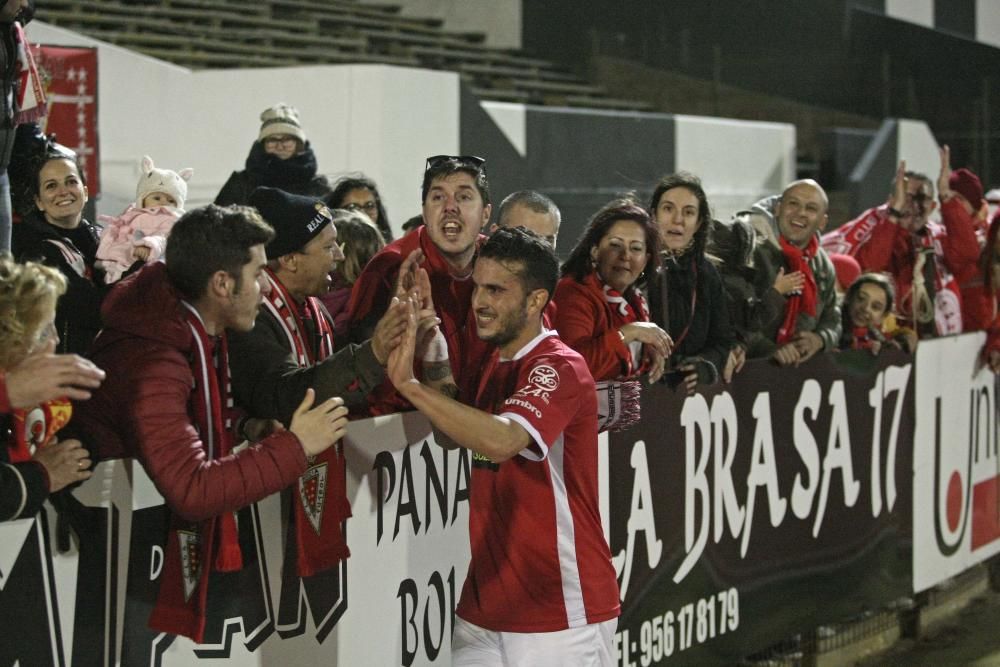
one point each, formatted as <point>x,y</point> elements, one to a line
<point>438,616</point>
<point>724,492</point>
<point>713,431</point>
<point>672,632</point>
<point>838,455</point>
<point>155,562</point>
<point>640,518</point>
<point>763,470</point>
<point>437,483</point>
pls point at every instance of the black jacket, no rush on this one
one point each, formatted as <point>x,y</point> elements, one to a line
<point>297,175</point>
<point>704,336</point>
<point>23,486</point>
<point>268,383</point>
<point>78,313</point>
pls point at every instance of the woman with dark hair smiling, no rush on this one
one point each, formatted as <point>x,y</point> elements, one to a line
<point>359,193</point>
<point>57,234</point>
<point>686,295</point>
<point>602,314</point>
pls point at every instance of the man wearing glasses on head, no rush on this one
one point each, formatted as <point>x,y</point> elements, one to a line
<point>280,158</point>
<point>924,257</point>
<point>456,205</point>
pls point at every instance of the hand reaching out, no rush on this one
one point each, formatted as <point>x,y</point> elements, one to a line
<point>44,376</point>
<point>389,331</point>
<point>319,427</point>
<point>400,366</point>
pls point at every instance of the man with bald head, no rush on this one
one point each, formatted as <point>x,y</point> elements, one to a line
<point>531,210</point>
<point>788,250</point>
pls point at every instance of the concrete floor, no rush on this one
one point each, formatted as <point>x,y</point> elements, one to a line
<point>971,638</point>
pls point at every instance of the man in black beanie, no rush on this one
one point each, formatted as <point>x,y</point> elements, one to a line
<point>291,348</point>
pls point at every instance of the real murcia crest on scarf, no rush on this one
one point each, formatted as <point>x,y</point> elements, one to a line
<point>312,491</point>
<point>190,545</point>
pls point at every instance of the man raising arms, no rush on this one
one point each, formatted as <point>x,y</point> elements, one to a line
<point>541,588</point>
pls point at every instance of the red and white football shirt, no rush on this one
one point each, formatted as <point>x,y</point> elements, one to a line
<point>540,562</point>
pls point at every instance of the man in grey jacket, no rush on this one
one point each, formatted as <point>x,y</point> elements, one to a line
<point>787,246</point>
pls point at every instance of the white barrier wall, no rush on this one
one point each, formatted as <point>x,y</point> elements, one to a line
<point>738,161</point>
<point>378,119</point>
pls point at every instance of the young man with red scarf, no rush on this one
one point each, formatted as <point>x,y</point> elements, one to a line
<point>789,240</point>
<point>291,349</point>
<point>456,206</point>
<point>167,401</point>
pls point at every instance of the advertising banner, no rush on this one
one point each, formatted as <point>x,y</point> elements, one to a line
<point>69,76</point>
<point>736,518</point>
<point>956,470</point>
<point>87,601</point>
<point>742,516</point>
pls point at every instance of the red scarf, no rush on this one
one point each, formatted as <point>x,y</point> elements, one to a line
<point>319,499</point>
<point>863,338</point>
<point>622,311</point>
<point>180,605</point>
<point>798,259</point>
<point>36,427</point>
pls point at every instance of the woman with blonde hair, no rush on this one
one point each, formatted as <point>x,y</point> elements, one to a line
<point>33,463</point>
<point>359,240</point>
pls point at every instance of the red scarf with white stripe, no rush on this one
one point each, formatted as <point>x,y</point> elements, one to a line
<point>180,605</point>
<point>320,503</point>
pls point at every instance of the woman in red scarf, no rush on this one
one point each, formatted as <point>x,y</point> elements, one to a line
<point>33,463</point>
<point>602,314</point>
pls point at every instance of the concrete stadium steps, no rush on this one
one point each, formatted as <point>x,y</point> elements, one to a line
<point>234,33</point>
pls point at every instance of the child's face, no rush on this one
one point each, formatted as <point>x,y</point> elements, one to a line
<point>868,308</point>
<point>158,199</point>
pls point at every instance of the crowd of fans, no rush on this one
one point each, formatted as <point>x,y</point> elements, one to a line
<point>277,310</point>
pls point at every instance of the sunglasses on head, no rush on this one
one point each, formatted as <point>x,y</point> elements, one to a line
<point>473,161</point>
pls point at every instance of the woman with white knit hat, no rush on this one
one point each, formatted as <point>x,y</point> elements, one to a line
<point>280,158</point>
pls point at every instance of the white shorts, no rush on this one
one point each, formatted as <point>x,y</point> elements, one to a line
<point>589,646</point>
